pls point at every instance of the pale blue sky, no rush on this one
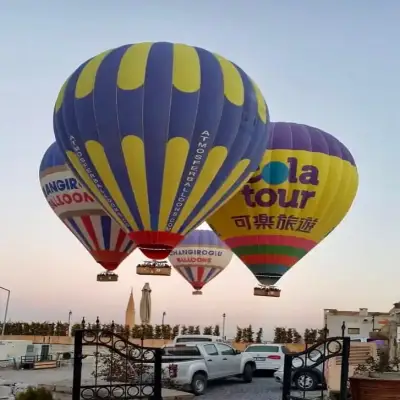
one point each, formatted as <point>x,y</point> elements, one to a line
<point>334,65</point>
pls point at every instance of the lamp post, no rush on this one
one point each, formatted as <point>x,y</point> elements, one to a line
<point>69,322</point>
<point>223,325</point>
<point>6,310</point>
<point>163,317</point>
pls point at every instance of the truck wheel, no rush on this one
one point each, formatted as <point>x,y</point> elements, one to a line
<point>247,375</point>
<point>199,384</point>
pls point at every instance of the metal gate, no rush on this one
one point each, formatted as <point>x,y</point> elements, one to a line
<point>117,368</point>
<point>308,365</point>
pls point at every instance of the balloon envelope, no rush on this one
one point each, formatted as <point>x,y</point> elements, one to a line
<point>200,257</point>
<point>303,188</point>
<point>108,244</point>
<point>161,134</point>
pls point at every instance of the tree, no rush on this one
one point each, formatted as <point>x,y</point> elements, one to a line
<point>216,331</point>
<point>157,332</point>
<point>190,330</point>
<point>310,336</point>
<point>259,335</point>
<point>248,334</point>
<point>207,330</point>
<point>296,336</point>
<point>166,332</point>
<point>148,332</point>
<point>175,331</point>
<point>136,332</point>
<point>289,335</point>
<point>197,330</point>
<point>322,334</point>
<point>280,335</point>
<point>126,331</point>
<point>184,330</point>
<point>74,328</point>
<point>239,334</point>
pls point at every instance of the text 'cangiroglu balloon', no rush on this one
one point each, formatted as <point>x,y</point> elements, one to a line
<point>162,135</point>
<point>103,238</point>
<point>200,257</point>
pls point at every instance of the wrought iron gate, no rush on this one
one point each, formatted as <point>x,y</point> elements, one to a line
<point>310,364</point>
<point>119,368</point>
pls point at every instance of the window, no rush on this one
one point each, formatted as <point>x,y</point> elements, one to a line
<point>262,349</point>
<point>193,339</point>
<point>211,350</point>
<point>182,351</point>
<point>353,331</point>
<point>226,350</point>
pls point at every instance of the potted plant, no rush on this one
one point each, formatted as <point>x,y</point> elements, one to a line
<point>377,379</point>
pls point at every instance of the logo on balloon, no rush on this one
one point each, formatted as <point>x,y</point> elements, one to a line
<point>275,173</point>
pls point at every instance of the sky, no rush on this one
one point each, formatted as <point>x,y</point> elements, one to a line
<point>333,65</point>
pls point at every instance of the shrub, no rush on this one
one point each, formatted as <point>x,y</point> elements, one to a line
<point>35,394</point>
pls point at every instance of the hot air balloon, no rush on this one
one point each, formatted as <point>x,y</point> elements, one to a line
<point>303,188</point>
<point>200,257</point>
<point>103,238</point>
<point>160,133</point>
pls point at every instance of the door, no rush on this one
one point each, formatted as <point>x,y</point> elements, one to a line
<point>44,352</point>
<point>213,361</point>
<point>231,361</point>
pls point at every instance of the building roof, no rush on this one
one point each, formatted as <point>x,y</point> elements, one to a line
<point>334,311</point>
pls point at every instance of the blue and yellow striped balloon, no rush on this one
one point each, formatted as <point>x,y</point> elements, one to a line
<point>162,135</point>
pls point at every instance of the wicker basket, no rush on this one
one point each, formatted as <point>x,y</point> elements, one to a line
<point>143,269</point>
<point>267,291</point>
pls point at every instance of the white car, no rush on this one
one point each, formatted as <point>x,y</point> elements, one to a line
<point>306,377</point>
<point>197,338</point>
<point>267,356</point>
<point>192,365</point>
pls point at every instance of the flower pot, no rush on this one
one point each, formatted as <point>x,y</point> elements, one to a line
<point>379,386</point>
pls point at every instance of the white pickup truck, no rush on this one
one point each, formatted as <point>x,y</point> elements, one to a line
<point>192,365</point>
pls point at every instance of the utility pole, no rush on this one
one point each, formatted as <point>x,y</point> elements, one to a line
<point>223,326</point>
<point>6,310</point>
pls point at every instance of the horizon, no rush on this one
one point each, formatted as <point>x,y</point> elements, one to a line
<point>333,66</point>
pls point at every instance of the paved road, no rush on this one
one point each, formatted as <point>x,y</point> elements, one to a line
<point>259,389</point>
<point>262,388</point>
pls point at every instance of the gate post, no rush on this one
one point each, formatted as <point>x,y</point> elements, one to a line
<point>77,374</point>
<point>287,377</point>
<point>344,372</point>
<point>157,374</point>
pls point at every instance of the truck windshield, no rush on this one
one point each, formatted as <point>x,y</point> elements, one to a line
<point>182,351</point>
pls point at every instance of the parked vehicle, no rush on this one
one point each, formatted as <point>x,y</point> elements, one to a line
<point>197,338</point>
<point>308,375</point>
<point>268,357</point>
<point>192,365</point>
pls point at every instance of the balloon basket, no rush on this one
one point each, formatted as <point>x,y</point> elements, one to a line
<point>197,293</point>
<point>107,277</point>
<point>154,269</point>
<point>267,291</point>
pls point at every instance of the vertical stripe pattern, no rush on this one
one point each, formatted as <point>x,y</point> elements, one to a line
<point>162,134</point>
